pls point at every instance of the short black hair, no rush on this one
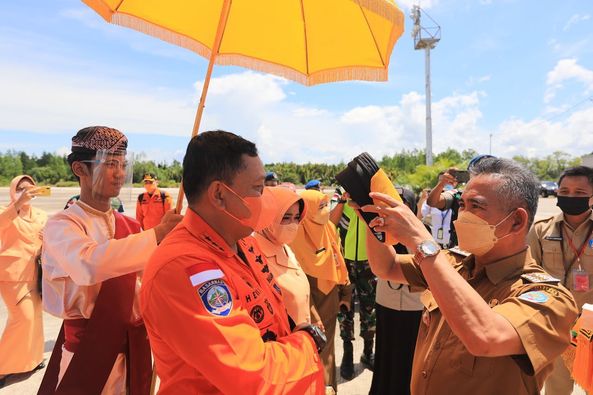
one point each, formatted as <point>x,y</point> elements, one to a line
<point>210,156</point>
<point>518,186</point>
<point>578,171</point>
<point>78,157</point>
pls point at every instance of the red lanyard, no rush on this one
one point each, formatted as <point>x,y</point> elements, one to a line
<point>581,250</point>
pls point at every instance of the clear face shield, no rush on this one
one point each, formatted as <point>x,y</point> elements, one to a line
<point>112,178</point>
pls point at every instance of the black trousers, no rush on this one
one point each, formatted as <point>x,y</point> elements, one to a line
<point>394,351</point>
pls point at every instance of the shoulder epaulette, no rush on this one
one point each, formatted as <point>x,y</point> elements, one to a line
<point>544,219</point>
<point>539,278</point>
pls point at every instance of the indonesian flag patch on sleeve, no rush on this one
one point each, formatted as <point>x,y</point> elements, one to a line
<point>212,289</point>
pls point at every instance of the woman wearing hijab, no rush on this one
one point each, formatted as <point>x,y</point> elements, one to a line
<point>282,262</point>
<point>21,345</point>
<point>317,249</point>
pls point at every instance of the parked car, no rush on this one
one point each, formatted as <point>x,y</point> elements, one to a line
<point>548,188</point>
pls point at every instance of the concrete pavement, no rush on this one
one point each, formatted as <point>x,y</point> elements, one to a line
<point>28,383</point>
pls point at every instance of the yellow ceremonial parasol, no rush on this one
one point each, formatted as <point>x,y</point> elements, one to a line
<point>307,41</point>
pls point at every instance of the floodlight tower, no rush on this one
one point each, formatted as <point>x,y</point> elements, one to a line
<point>426,37</point>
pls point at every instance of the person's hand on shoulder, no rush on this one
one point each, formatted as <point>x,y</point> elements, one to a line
<point>168,222</point>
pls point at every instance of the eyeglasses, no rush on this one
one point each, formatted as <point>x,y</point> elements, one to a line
<point>110,164</point>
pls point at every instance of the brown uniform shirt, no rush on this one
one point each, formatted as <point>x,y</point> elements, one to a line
<point>516,288</point>
<point>548,240</point>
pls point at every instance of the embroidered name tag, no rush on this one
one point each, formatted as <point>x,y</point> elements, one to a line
<point>553,238</point>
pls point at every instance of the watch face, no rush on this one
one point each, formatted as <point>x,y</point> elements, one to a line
<point>429,248</point>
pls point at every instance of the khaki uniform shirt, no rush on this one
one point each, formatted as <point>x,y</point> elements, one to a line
<point>290,277</point>
<point>516,288</point>
<point>548,240</point>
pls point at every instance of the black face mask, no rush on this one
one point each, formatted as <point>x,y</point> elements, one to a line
<point>573,205</point>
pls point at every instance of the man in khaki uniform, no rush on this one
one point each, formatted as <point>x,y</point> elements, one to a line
<point>563,245</point>
<point>494,321</point>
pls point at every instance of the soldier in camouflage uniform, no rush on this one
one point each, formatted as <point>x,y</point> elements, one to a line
<point>364,282</point>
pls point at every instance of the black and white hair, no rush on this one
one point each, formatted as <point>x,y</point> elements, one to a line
<point>518,187</point>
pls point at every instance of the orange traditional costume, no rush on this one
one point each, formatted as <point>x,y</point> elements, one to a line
<point>317,249</point>
<point>92,263</point>
<point>21,345</point>
<point>216,320</point>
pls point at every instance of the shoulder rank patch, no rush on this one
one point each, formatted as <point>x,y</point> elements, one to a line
<point>216,297</point>
<point>459,251</point>
<point>539,278</point>
<point>535,297</point>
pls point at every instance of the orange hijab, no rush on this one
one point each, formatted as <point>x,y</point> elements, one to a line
<point>30,222</point>
<point>284,198</point>
<point>317,247</point>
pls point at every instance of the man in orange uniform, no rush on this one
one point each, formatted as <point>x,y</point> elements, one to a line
<point>213,310</point>
<point>152,204</point>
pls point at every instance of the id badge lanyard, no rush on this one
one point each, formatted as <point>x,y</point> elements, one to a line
<point>580,278</point>
<point>440,231</point>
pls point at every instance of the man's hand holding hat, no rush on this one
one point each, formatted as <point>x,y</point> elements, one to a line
<point>397,220</point>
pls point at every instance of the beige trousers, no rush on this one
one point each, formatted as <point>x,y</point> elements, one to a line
<point>21,345</point>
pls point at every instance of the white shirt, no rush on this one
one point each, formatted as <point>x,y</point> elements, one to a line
<point>397,296</point>
<point>79,253</point>
<point>440,223</point>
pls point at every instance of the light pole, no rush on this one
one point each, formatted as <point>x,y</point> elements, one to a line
<point>426,37</point>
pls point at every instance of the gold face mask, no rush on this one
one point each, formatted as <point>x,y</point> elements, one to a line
<point>476,235</point>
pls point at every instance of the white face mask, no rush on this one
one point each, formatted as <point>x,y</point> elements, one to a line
<point>476,235</point>
<point>284,234</point>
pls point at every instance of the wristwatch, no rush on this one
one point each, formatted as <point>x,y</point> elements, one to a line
<point>428,248</point>
<point>317,334</point>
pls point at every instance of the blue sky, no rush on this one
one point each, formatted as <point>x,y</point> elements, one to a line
<point>519,69</point>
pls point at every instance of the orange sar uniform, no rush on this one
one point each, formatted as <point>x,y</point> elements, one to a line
<point>216,321</point>
<point>541,311</point>
<point>549,242</point>
<point>150,208</point>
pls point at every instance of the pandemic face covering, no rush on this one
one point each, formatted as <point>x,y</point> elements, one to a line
<point>573,205</point>
<point>258,211</point>
<point>476,235</point>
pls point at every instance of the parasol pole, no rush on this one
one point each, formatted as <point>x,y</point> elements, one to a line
<point>224,13</point>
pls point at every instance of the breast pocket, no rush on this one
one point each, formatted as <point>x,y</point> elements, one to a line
<point>552,260</point>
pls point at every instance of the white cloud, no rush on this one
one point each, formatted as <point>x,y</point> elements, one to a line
<point>574,19</point>
<point>424,4</point>
<point>63,150</point>
<point>46,101</point>
<point>260,108</point>
<point>540,137</point>
<point>137,41</point>
<point>567,70</point>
